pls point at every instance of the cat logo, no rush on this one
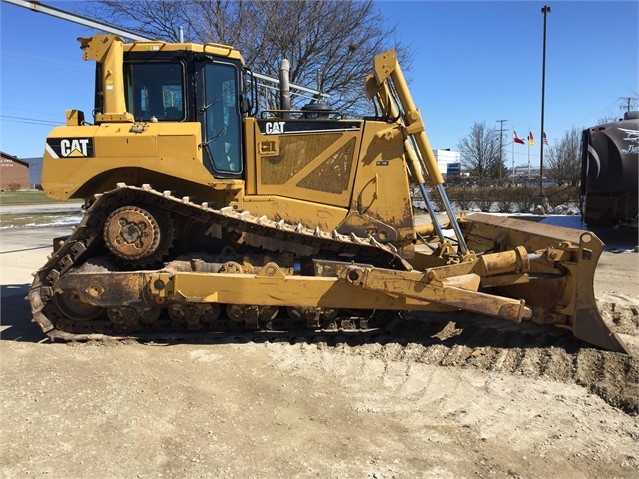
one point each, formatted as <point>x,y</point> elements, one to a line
<point>70,147</point>
<point>275,127</point>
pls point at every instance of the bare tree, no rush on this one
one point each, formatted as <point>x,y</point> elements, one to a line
<point>480,152</point>
<point>608,119</point>
<point>330,44</point>
<point>564,158</point>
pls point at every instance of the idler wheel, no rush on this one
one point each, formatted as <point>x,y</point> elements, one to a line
<point>69,303</point>
<point>138,235</point>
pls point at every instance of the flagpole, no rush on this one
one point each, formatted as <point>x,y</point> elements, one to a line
<point>529,160</point>
<point>531,142</point>
<point>513,170</point>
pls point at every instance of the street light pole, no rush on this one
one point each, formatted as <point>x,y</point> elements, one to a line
<point>545,9</point>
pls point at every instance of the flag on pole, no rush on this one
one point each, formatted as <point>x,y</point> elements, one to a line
<point>545,140</point>
<point>531,140</point>
<point>516,139</point>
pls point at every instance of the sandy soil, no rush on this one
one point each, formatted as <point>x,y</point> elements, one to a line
<point>442,398</point>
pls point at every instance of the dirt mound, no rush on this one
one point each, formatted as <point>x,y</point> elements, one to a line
<point>619,310</point>
<point>531,351</point>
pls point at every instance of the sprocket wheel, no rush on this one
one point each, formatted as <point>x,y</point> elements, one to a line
<point>138,235</point>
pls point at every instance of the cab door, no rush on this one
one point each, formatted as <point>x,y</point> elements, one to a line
<point>218,110</point>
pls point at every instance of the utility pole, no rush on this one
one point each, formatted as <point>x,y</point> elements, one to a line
<point>501,147</point>
<point>628,100</point>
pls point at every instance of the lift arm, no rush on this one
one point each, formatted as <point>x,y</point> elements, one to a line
<point>389,85</point>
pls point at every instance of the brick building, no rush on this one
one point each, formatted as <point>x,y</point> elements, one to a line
<point>14,173</point>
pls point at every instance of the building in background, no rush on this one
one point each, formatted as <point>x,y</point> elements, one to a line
<point>35,171</point>
<point>449,162</point>
<point>14,173</point>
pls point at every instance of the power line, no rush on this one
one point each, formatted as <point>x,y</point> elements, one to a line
<point>41,60</point>
<point>31,121</point>
<point>48,113</point>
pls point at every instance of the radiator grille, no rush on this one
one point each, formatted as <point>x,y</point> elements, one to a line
<point>333,174</point>
<point>297,151</point>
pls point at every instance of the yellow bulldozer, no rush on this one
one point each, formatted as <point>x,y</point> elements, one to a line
<point>203,213</point>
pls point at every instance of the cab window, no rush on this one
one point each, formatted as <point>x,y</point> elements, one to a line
<point>155,91</point>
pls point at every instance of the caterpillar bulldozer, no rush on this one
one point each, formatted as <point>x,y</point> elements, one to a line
<point>203,213</point>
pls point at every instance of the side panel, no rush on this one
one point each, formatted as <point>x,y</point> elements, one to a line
<point>332,174</point>
<point>381,205</point>
<point>78,156</point>
<point>307,160</point>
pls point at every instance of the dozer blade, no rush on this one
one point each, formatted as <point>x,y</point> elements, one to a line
<point>563,260</point>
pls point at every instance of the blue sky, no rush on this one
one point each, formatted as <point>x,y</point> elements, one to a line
<point>473,62</point>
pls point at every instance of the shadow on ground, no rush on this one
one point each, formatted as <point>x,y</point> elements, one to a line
<point>618,239</point>
<point>15,315</point>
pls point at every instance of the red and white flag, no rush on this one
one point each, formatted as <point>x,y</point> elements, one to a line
<point>516,139</point>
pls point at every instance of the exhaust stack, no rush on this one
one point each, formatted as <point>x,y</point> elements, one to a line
<point>285,91</point>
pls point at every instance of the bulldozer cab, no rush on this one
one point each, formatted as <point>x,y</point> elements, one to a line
<point>156,90</point>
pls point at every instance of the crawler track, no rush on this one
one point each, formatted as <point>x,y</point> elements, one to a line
<point>59,318</point>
